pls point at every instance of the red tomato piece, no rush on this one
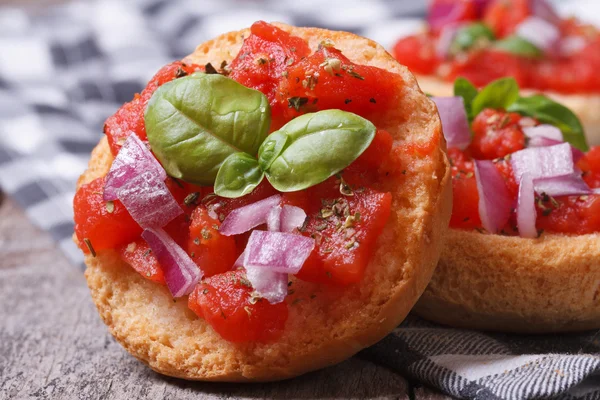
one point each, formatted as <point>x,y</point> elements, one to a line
<point>465,206</point>
<point>590,165</point>
<point>484,66</point>
<point>211,251</point>
<point>573,214</point>
<point>105,226</point>
<point>139,255</point>
<point>328,80</point>
<point>130,117</point>
<point>460,10</point>
<point>345,229</point>
<point>262,60</point>
<point>377,152</point>
<point>225,302</point>
<point>417,52</point>
<point>496,134</point>
<point>503,16</point>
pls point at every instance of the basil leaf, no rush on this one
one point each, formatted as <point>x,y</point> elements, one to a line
<point>239,175</point>
<point>318,145</point>
<point>548,111</point>
<point>470,35</point>
<point>271,148</point>
<point>497,95</point>
<point>466,90</point>
<point>194,123</point>
<point>519,46</point>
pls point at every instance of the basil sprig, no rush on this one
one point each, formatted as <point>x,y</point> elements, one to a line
<point>304,152</point>
<point>504,94</point>
<point>194,123</point>
<point>469,36</point>
<point>519,46</point>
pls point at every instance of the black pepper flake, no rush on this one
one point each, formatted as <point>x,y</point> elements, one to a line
<point>147,253</point>
<point>205,291</point>
<point>347,101</point>
<point>180,73</point>
<point>196,241</point>
<point>297,79</point>
<point>372,100</point>
<point>191,199</point>
<point>297,102</point>
<point>88,243</point>
<point>223,315</point>
<point>355,75</point>
<point>209,69</point>
<point>403,172</point>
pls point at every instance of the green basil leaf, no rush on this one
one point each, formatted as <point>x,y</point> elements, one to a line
<point>239,175</point>
<point>497,95</point>
<point>466,90</point>
<point>550,112</point>
<point>271,148</point>
<point>470,35</point>
<point>519,46</point>
<point>318,145</point>
<point>194,123</point>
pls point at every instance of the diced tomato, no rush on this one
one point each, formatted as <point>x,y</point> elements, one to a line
<point>496,134</point>
<point>503,16</point>
<point>130,117</point>
<point>375,154</point>
<point>223,206</point>
<point>139,255</point>
<point>575,214</point>
<point>590,165</point>
<point>484,66</point>
<point>465,206</point>
<point>417,52</point>
<point>262,60</point>
<point>211,251</point>
<point>105,225</point>
<point>345,229</point>
<point>328,80</point>
<point>226,303</point>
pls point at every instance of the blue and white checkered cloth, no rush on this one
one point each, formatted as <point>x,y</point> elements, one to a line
<point>63,71</point>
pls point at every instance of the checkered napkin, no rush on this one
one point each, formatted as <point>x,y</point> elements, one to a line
<point>65,69</point>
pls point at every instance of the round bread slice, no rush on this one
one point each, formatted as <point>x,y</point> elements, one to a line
<point>326,325</point>
<point>585,106</point>
<point>511,284</point>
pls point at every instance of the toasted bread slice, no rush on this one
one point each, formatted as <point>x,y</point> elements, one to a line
<point>334,324</point>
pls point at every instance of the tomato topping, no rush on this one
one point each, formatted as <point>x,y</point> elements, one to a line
<point>486,65</point>
<point>461,10</point>
<point>375,154</point>
<point>130,117</point>
<point>105,225</point>
<point>590,165</point>
<point>503,16</point>
<point>139,255</point>
<point>329,80</point>
<point>569,214</point>
<point>226,303</point>
<point>496,134</point>
<point>211,251</point>
<point>262,60</point>
<point>417,52</point>
<point>345,229</point>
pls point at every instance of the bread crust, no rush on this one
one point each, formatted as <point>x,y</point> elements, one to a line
<point>336,323</point>
<point>585,106</point>
<point>512,284</point>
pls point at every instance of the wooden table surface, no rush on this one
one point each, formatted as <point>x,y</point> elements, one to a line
<point>54,345</point>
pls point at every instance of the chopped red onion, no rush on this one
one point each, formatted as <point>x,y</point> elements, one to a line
<point>447,35</point>
<point>245,218</point>
<point>292,217</point>
<point>526,213</point>
<point>133,159</point>
<point>277,251</point>
<point>149,201</point>
<point>271,285</point>
<point>544,130</point>
<point>181,273</point>
<point>274,219</point>
<point>543,10</point>
<point>541,141</point>
<point>541,33</point>
<point>455,123</point>
<point>567,185</point>
<point>572,45</point>
<point>442,14</point>
<point>494,200</point>
<point>543,162</point>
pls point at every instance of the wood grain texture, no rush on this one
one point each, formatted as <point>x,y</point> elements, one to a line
<point>54,345</point>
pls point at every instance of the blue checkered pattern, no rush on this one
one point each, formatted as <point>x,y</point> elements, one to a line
<point>62,72</point>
